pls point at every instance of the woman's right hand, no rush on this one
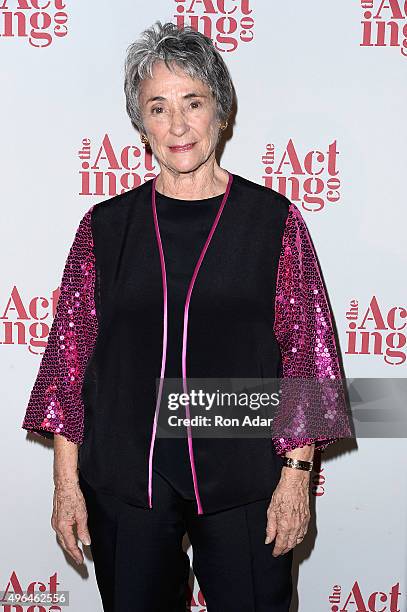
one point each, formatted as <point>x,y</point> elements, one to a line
<point>69,508</point>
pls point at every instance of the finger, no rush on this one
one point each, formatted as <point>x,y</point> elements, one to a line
<point>271,527</point>
<point>294,538</point>
<point>292,541</point>
<point>75,557</point>
<point>83,531</point>
<point>64,546</point>
<point>61,540</point>
<point>280,543</point>
<point>82,523</point>
<point>300,537</point>
<point>69,543</point>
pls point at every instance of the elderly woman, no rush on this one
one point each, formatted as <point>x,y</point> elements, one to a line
<point>198,272</point>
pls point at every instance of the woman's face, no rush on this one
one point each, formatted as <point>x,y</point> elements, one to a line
<point>178,111</point>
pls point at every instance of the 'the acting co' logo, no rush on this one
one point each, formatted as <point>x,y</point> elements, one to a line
<point>226,23</point>
<point>311,180</point>
<point>373,330</point>
<point>385,25</point>
<point>357,600</point>
<point>107,170</point>
<point>37,21</point>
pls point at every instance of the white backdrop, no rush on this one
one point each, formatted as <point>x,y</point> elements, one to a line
<point>311,79</point>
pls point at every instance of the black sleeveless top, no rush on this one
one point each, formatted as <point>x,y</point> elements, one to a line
<point>184,228</point>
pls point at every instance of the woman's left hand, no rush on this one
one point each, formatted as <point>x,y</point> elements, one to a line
<point>288,513</point>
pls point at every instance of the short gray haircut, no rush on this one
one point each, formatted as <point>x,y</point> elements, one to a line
<point>190,50</point>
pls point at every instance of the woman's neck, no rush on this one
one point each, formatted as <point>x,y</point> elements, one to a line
<point>196,185</point>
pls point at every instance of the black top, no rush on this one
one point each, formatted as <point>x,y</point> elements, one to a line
<point>184,227</point>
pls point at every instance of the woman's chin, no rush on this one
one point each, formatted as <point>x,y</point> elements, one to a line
<point>184,165</point>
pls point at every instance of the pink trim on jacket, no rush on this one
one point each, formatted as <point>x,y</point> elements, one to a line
<point>164,351</point>
<point>184,340</point>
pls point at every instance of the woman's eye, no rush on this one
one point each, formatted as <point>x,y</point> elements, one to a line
<point>158,110</point>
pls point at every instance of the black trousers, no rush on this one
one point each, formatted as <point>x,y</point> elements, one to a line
<point>140,564</point>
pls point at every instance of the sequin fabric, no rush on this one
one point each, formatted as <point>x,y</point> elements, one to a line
<point>55,405</point>
<point>312,405</point>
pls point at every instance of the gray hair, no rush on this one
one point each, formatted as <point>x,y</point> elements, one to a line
<point>193,52</point>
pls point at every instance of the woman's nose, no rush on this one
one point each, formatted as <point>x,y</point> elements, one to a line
<point>179,124</point>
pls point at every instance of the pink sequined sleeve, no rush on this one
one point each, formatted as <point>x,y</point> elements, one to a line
<point>312,405</point>
<point>55,405</point>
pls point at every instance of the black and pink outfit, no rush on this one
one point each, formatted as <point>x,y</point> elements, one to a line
<point>159,287</point>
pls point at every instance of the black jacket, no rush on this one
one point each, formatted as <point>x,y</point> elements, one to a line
<point>257,308</point>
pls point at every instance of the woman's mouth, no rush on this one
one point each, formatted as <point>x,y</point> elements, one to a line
<point>180,149</point>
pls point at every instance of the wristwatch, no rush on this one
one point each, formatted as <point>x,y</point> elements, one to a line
<point>297,464</point>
